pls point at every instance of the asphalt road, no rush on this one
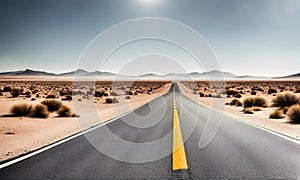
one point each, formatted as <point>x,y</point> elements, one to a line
<point>236,151</point>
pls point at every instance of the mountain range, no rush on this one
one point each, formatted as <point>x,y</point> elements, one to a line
<point>214,74</point>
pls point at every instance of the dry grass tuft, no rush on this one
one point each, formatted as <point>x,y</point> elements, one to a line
<point>40,111</point>
<point>111,100</point>
<point>248,111</point>
<point>235,102</point>
<point>64,111</point>
<point>285,99</point>
<point>52,105</point>
<point>277,114</point>
<point>255,101</point>
<point>294,113</point>
<point>21,109</point>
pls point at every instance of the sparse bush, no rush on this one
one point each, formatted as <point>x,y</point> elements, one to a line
<point>105,94</point>
<point>248,111</point>
<point>99,93</point>
<point>40,111</point>
<point>1,94</point>
<point>67,98</point>
<point>285,109</point>
<point>255,101</point>
<point>235,102</point>
<point>28,94</point>
<point>15,92</point>
<point>238,95</point>
<point>253,93</point>
<point>285,99</point>
<point>111,100</point>
<point>65,92</point>
<point>255,108</point>
<point>294,113</point>
<point>7,89</point>
<point>271,91</point>
<point>50,96</point>
<point>127,97</point>
<point>21,109</point>
<point>276,114</point>
<point>231,92</point>
<point>64,111</point>
<point>201,94</point>
<point>52,105</point>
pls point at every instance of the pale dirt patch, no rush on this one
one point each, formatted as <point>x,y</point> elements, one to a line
<point>19,135</point>
<point>259,118</point>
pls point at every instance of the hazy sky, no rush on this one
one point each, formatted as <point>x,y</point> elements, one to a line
<point>258,37</point>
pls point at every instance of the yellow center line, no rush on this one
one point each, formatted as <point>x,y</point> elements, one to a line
<point>179,157</point>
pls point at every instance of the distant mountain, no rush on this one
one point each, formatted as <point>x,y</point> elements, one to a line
<point>291,76</point>
<point>251,77</point>
<point>218,74</point>
<point>214,74</point>
<point>27,72</point>
<point>78,72</point>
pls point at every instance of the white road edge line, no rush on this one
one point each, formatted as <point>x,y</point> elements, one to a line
<point>253,125</point>
<point>72,136</point>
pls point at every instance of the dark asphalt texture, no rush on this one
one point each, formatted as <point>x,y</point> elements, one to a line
<point>237,151</point>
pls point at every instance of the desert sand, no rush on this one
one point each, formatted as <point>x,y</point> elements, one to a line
<point>19,135</point>
<point>259,118</point>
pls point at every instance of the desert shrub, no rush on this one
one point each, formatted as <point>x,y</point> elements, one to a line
<point>294,113</point>
<point>1,94</point>
<point>105,94</point>
<point>255,108</point>
<point>257,89</point>
<point>7,89</point>
<point>201,94</point>
<point>99,93</point>
<point>248,111</point>
<point>40,111</point>
<point>285,99</point>
<point>21,109</point>
<point>15,92</point>
<point>231,92</point>
<point>111,100</point>
<point>253,93</point>
<point>65,92</point>
<point>52,105</point>
<point>276,114</point>
<point>127,97</point>
<point>50,96</point>
<point>235,102</point>
<point>271,91</point>
<point>64,111</point>
<point>238,95</point>
<point>28,94</point>
<point>285,109</point>
<point>67,98</point>
<point>255,101</point>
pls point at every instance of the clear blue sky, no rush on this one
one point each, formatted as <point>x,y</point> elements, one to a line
<point>258,37</point>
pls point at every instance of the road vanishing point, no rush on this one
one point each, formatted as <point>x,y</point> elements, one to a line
<point>237,151</point>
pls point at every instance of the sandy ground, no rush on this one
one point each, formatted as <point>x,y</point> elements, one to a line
<point>259,118</point>
<point>19,135</point>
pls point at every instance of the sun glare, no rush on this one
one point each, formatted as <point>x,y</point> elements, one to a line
<point>147,1</point>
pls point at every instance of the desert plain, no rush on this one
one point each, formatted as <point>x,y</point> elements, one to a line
<point>37,112</point>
